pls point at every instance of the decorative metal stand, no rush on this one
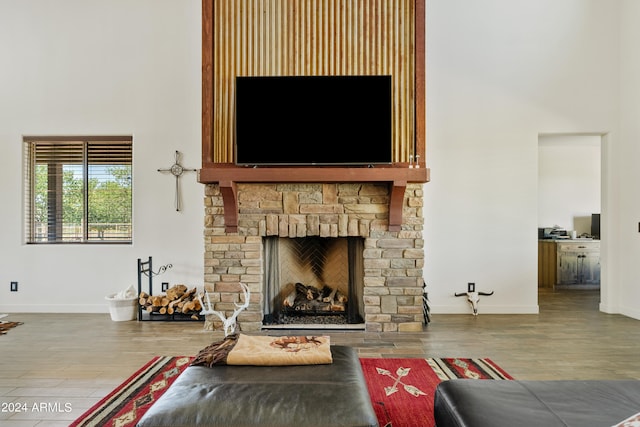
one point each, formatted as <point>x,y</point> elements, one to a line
<point>426,310</point>
<point>177,170</point>
<point>145,268</point>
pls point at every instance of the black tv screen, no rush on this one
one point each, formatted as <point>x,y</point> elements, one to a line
<point>595,226</point>
<point>313,120</point>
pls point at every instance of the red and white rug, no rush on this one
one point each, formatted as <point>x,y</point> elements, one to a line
<point>401,390</point>
<point>125,405</point>
<point>6,325</point>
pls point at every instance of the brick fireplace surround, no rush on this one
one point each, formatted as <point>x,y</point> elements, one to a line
<point>393,260</point>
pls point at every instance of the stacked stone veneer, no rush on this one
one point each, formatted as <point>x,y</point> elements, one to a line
<point>393,260</point>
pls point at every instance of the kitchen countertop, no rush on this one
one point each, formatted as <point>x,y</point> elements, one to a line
<point>579,239</point>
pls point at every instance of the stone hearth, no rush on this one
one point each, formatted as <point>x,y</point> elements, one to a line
<point>393,260</point>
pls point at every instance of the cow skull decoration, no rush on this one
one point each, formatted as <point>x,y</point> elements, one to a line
<point>473,297</point>
<point>229,323</point>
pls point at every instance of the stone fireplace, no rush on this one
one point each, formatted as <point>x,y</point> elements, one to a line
<point>390,296</point>
<point>380,204</point>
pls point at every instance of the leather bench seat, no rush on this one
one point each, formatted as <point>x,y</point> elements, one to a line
<point>313,395</point>
<point>593,403</point>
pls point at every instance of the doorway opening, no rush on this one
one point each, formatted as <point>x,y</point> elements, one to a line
<point>570,205</point>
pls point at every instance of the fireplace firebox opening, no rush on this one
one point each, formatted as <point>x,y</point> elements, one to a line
<point>313,281</point>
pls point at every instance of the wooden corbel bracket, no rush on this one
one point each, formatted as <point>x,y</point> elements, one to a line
<point>230,203</point>
<point>396,203</point>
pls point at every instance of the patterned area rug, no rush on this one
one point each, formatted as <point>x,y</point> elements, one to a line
<point>125,405</point>
<point>401,390</point>
<point>6,325</point>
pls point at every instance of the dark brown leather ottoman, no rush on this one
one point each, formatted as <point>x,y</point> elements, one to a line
<point>489,403</point>
<point>313,395</point>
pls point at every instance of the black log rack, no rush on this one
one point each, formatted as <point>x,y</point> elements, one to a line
<point>145,269</point>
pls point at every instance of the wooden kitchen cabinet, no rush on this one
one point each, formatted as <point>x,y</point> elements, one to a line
<point>547,263</point>
<point>578,263</point>
<point>568,263</point>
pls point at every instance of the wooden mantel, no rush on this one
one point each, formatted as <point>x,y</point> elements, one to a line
<point>227,177</point>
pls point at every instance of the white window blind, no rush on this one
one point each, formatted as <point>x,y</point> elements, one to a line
<point>78,190</point>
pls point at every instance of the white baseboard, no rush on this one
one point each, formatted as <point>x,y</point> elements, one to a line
<point>632,312</point>
<point>485,309</point>
<point>53,308</point>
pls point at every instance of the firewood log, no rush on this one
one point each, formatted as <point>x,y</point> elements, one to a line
<point>176,300</point>
<point>331,296</point>
<point>341,297</point>
<point>176,292</point>
<point>337,306</point>
<point>177,304</point>
<point>189,306</point>
<point>290,299</point>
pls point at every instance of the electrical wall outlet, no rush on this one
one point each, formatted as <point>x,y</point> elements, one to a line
<point>14,286</point>
<point>165,286</point>
<point>471,287</point>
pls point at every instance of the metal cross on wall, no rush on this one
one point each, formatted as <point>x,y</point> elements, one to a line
<point>177,170</point>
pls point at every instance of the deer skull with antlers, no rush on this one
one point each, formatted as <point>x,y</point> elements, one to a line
<point>229,323</point>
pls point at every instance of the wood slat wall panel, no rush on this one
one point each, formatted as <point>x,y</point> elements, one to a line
<point>313,37</point>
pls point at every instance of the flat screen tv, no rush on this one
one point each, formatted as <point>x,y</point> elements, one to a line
<point>313,120</point>
<point>595,226</point>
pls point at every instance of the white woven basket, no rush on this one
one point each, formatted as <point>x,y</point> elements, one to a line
<point>122,309</point>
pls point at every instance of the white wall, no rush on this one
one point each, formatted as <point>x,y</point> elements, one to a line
<point>625,155</point>
<point>78,67</point>
<point>499,73</point>
<point>569,180</point>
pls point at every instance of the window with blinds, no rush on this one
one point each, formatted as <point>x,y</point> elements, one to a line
<point>78,190</point>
